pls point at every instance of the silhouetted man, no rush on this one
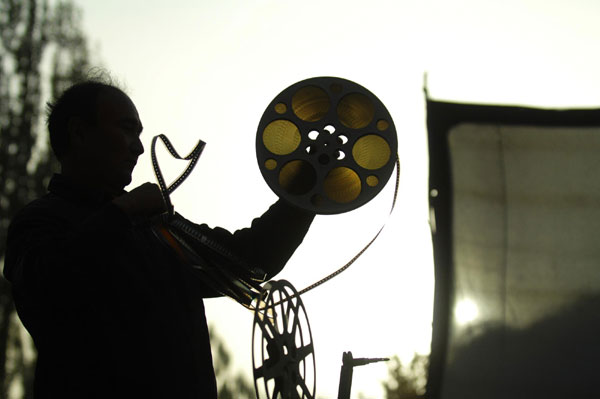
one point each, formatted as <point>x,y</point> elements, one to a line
<point>112,311</point>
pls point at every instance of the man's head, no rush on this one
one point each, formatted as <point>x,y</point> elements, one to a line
<point>94,132</point>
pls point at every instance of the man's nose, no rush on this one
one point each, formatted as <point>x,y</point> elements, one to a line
<point>137,147</point>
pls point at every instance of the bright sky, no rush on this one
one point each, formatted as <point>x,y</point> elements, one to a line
<point>207,70</point>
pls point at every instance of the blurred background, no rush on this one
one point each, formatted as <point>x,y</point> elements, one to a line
<point>207,70</point>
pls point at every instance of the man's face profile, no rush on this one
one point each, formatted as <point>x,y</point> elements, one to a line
<point>108,147</point>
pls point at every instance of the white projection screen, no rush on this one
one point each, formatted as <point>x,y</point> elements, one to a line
<point>515,208</point>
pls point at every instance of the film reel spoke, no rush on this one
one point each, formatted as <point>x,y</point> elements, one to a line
<point>267,328</point>
<point>304,352</point>
<point>304,389</point>
<point>267,371</point>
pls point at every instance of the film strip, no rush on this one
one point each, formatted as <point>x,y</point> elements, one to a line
<point>192,157</point>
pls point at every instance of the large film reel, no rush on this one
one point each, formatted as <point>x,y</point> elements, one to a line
<point>326,144</point>
<point>283,356</point>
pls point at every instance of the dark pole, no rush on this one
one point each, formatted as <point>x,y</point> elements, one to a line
<point>348,364</point>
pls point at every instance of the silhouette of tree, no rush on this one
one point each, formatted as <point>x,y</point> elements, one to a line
<point>230,385</point>
<point>42,50</point>
<point>406,381</point>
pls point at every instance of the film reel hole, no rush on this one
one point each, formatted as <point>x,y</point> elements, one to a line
<point>330,129</point>
<point>310,150</point>
<point>342,185</point>
<point>297,177</point>
<point>382,125</point>
<point>371,152</point>
<point>339,155</point>
<point>372,181</point>
<point>281,137</point>
<point>342,139</point>
<point>310,103</point>
<point>355,110</point>
<point>270,164</point>
<point>313,134</point>
<point>280,108</point>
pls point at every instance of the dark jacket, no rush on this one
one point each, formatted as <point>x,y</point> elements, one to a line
<point>111,309</point>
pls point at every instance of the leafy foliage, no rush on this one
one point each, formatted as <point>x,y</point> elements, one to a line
<point>407,381</point>
<point>42,50</point>
<point>230,385</point>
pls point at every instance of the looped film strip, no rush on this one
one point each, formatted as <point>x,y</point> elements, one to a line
<point>193,157</point>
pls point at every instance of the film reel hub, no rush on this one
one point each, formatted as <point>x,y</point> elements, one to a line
<point>326,144</point>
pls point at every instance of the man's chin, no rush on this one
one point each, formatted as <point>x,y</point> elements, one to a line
<point>126,181</point>
<point>120,182</point>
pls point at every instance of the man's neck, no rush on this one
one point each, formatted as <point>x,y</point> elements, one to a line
<point>89,180</point>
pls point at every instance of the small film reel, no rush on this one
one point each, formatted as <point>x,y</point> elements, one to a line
<point>327,145</point>
<point>283,356</point>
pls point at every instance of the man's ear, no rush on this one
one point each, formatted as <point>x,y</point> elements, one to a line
<point>76,129</point>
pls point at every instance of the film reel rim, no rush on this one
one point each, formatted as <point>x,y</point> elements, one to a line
<point>291,360</point>
<point>315,199</point>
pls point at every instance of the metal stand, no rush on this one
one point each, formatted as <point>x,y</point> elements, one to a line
<point>348,364</point>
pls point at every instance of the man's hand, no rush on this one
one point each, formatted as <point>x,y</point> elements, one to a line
<point>142,202</point>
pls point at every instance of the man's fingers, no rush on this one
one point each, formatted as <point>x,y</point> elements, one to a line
<point>143,201</point>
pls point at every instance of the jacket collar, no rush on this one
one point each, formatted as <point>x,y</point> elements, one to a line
<point>68,189</point>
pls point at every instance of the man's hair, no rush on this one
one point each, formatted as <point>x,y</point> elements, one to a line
<point>79,100</point>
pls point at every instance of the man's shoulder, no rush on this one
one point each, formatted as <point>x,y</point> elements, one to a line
<point>47,202</point>
<point>49,205</point>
